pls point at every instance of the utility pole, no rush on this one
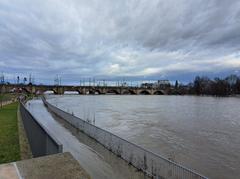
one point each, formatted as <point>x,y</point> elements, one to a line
<point>56,81</point>
<point>18,79</point>
<point>30,79</point>
<point>2,81</point>
<point>33,80</point>
<point>24,80</point>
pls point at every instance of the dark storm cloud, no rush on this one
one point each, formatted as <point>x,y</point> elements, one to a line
<point>153,39</point>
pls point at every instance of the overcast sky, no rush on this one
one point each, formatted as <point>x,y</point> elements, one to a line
<point>131,39</point>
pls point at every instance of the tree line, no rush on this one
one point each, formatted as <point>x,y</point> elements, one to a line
<point>216,87</point>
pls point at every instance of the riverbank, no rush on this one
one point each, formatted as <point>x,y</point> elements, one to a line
<point>201,133</point>
<point>7,96</point>
<point>102,165</point>
<point>9,140</point>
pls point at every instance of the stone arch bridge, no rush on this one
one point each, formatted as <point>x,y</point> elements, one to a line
<point>40,89</point>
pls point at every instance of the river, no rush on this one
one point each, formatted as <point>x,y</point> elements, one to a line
<point>201,133</point>
<point>93,157</point>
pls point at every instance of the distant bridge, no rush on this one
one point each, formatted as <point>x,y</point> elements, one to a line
<point>120,90</point>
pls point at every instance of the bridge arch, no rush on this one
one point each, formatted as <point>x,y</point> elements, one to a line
<point>71,92</point>
<point>158,93</point>
<point>97,91</point>
<point>112,91</point>
<point>79,91</point>
<point>126,92</point>
<point>39,91</point>
<point>50,91</point>
<point>144,92</point>
<point>90,92</point>
<point>131,92</point>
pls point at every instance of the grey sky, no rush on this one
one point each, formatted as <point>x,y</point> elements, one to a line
<point>135,39</point>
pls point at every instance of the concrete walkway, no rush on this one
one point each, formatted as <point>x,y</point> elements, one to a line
<point>51,166</point>
<point>9,171</point>
<point>99,164</point>
<point>89,159</point>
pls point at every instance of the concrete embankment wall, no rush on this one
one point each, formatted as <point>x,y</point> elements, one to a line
<point>41,141</point>
<point>152,164</point>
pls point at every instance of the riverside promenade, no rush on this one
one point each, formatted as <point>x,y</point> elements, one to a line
<point>51,166</point>
<point>16,160</point>
<point>99,165</point>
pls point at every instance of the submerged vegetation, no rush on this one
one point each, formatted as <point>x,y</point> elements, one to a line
<point>217,87</point>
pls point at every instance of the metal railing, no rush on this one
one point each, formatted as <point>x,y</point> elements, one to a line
<point>41,141</point>
<point>150,163</point>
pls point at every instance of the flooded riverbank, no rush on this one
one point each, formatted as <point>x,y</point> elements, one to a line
<point>201,133</point>
<point>95,159</point>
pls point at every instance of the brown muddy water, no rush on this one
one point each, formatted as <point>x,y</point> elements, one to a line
<point>93,157</point>
<point>201,133</point>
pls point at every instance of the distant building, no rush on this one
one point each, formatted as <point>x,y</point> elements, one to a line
<point>160,84</point>
<point>147,85</point>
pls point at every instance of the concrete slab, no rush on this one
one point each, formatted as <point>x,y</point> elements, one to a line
<point>60,166</point>
<point>8,171</point>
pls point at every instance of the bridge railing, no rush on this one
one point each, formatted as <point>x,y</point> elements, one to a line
<point>150,163</point>
<point>40,140</point>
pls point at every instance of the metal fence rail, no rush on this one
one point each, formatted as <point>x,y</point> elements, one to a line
<point>40,140</point>
<point>152,164</point>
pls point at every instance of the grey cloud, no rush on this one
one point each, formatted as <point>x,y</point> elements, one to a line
<point>118,38</point>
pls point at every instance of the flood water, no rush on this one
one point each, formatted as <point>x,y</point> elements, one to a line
<point>201,133</point>
<point>93,157</point>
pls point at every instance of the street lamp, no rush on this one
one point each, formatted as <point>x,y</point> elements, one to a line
<point>1,96</point>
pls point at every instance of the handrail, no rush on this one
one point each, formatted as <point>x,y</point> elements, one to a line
<point>150,163</point>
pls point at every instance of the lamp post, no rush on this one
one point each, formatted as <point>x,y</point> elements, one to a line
<point>1,96</point>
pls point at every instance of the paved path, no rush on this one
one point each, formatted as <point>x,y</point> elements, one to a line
<point>90,160</point>
<point>96,164</point>
<point>51,166</point>
<point>9,171</point>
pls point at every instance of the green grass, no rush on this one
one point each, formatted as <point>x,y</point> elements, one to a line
<point>7,96</point>
<point>9,141</point>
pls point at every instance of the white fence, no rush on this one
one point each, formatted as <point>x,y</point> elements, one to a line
<point>152,164</point>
